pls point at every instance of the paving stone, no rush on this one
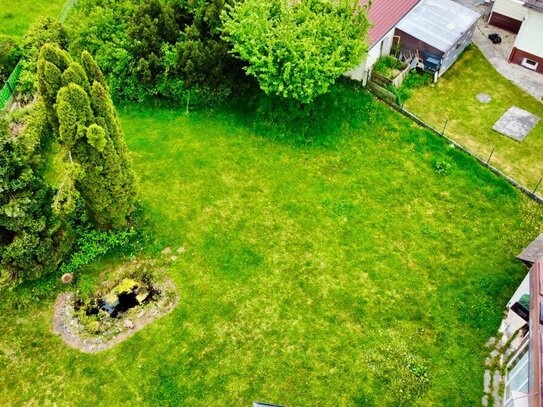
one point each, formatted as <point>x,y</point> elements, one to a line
<point>516,123</point>
<point>484,401</point>
<point>487,381</point>
<point>167,250</point>
<point>490,343</point>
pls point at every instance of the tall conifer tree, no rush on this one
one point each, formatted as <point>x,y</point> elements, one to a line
<point>83,116</point>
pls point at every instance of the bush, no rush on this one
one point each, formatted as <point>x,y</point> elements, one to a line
<point>92,244</point>
<point>164,49</point>
<point>10,53</point>
<point>388,66</point>
<point>412,81</point>
<point>33,239</point>
<point>46,30</point>
<point>441,167</point>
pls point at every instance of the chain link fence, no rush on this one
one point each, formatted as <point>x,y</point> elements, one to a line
<point>9,87</point>
<point>392,100</point>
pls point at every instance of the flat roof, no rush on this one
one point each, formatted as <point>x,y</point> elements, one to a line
<point>439,23</point>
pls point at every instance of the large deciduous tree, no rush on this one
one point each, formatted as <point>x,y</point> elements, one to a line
<point>82,115</point>
<point>297,49</point>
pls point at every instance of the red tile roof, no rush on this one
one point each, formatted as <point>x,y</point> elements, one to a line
<point>385,14</point>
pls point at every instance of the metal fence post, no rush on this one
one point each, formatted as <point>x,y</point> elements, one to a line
<point>537,186</point>
<point>445,126</point>
<point>490,156</point>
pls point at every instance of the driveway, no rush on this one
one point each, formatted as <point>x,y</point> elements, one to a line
<point>530,82</point>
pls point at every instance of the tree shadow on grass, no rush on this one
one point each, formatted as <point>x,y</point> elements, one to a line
<point>345,108</point>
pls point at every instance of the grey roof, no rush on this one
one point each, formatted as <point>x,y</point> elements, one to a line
<point>439,23</point>
<point>534,5</point>
<point>533,252</point>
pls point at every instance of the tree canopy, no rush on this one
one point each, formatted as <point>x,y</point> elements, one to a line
<point>297,49</point>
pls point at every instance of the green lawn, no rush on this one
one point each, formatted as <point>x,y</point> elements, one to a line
<point>338,271</point>
<point>470,121</point>
<point>16,16</point>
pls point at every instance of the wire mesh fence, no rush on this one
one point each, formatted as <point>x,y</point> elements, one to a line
<point>385,96</point>
<point>11,84</point>
<point>9,87</point>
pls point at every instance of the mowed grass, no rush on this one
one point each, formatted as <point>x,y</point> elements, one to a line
<point>338,271</point>
<point>16,16</point>
<point>470,121</point>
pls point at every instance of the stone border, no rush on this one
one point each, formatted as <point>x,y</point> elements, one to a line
<point>88,345</point>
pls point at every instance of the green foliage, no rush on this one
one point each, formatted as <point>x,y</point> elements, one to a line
<point>297,49</point>
<point>45,30</point>
<point>10,53</point>
<point>84,118</point>
<point>33,239</point>
<point>442,167</point>
<point>324,120</point>
<point>172,50</point>
<point>92,70</point>
<point>388,66</point>
<point>92,244</point>
<point>411,82</point>
<point>152,25</point>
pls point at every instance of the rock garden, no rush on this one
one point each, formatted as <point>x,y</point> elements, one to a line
<point>136,294</point>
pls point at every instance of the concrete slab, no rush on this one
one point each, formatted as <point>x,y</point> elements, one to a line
<point>516,123</point>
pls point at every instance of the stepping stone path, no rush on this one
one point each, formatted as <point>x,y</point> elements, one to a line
<point>502,350</point>
<point>483,98</point>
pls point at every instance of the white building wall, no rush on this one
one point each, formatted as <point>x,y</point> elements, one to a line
<point>362,71</point>
<point>530,36</point>
<point>510,8</point>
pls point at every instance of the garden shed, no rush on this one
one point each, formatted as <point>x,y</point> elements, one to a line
<point>436,32</point>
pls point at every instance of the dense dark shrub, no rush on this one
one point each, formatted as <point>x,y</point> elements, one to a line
<point>158,48</point>
<point>33,239</point>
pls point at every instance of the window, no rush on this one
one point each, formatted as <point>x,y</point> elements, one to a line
<point>530,64</point>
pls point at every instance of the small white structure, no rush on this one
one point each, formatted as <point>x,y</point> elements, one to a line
<point>384,15</point>
<point>436,31</point>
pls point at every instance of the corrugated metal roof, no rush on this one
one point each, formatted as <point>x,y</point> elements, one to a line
<point>385,14</point>
<point>439,23</point>
<point>534,5</point>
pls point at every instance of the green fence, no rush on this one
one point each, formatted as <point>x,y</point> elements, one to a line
<point>9,87</point>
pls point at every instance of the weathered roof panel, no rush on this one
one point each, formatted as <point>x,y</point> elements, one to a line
<point>534,5</point>
<point>533,252</point>
<point>385,14</point>
<point>439,23</point>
